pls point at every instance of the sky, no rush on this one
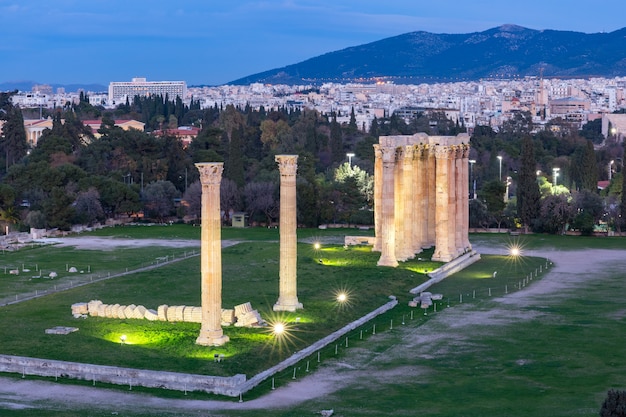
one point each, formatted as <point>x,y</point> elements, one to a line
<point>212,42</point>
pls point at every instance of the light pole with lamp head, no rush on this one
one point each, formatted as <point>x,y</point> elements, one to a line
<point>350,155</point>
<point>555,173</point>
<point>611,169</point>
<point>500,159</point>
<point>472,162</point>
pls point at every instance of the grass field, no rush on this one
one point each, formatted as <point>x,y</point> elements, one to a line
<point>546,359</point>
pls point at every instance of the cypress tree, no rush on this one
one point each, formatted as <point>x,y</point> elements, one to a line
<point>589,169</point>
<point>235,161</point>
<point>336,140</point>
<point>528,190</point>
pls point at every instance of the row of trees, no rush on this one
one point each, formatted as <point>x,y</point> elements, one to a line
<point>72,177</point>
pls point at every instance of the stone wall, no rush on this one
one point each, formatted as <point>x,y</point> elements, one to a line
<point>120,376</point>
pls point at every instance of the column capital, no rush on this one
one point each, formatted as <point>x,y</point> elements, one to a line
<point>442,152</point>
<point>388,154</point>
<point>210,172</point>
<point>287,164</point>
<point>378,153</point>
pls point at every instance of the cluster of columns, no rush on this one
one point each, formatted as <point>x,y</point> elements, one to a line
<point>421,197</point>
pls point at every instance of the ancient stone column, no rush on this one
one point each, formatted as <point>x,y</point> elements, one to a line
<point>431,181</point>
<point>452,201</point>
<point>408,194</point>
<point>465,164</point>
<point>421,198</point>
<point>399,198</point>
<point>442,203</point>
<point>461,192</point>
<point>288,286</point>
<point>378,187</point>
<point>211,333</point>
<point>388,237</point>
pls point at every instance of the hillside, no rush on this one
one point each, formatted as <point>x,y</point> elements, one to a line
<point>506,51</point>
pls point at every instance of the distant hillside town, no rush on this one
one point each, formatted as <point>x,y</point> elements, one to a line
<point>471,103</point>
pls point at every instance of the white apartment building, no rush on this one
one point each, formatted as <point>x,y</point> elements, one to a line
<point>120,90</point>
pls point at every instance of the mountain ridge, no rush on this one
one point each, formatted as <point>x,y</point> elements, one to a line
<point>505,51</point>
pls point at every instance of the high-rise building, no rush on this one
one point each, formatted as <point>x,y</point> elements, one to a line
<point>120,90</point>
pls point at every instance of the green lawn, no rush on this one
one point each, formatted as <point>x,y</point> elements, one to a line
<point>567,362</point>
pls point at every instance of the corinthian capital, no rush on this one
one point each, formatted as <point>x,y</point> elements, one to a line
<point>210,172</point>
<point>287,164</point>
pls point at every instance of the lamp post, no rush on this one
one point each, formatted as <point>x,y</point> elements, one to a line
<point>506,193</point>
<point>611,169</point>
<point>350,155</point>
<point>555,173</point>
<point>472,162</point>
<point>500,159</point>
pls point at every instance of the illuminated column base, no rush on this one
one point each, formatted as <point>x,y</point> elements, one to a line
<point>287,305</point>
<point>209,338</point>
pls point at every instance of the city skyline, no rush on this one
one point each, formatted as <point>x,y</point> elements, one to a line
<point>206,43</point>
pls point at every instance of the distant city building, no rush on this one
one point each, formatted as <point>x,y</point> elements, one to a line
<point>120,90</point>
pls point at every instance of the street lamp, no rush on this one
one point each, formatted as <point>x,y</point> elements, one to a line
<point>611,168</point>
<point>506,193</point>
<point>350,155</point>
<point>472,162</point>
<point>500,159</point>
<point>555,173</point>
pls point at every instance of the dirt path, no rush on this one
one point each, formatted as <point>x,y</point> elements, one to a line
<point>571,269</point>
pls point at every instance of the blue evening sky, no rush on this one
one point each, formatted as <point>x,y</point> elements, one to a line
<point>217,41</point>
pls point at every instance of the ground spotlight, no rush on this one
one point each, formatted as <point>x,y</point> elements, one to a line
<point>342,297</point>
<point>279,329</point>
<point>317,246</point>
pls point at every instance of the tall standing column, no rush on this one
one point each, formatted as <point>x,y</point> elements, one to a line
<point>211,333</point>
<point>399,197</point>
<point>388,236</point>
<point>461,192</point>
<point>452,201</point>
<point>421,198</point>
<point>408,191</point>
<point>466,243</point>
<point>288,287</point>
<point>442,203</point>
<point>378,197</point>
<point>431,181</point>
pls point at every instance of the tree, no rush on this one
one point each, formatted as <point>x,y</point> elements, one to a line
<point>556,212</point>
<point>88,207</point>
<point>336,140</point>
<point>260,197</point>
<point>614,405</point>
<point>589,209</point>
<point>13,137</point>
<point>159,198</point>
<point>588,169</point>
<point>527,189</point>
<point>193,200</point>
<point>234,165</point>
<point>492,195</point>
<point>362,181</point>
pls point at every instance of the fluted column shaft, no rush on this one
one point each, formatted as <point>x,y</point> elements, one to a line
<point>465,164</point>
<point>421,198</point>
<point>211,333</point>
<point>378,179</point>
<point>288,287</point>
<point>416,202</point>
<point>388,241</point>
<point>442,203</point>
<point>431,182</point>
<point>461,192</point>
<point>452,201</point>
